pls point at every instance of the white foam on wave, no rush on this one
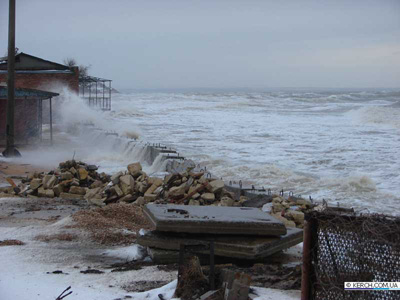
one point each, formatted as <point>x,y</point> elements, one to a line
<point>387,115</point>
<point>354,190</point>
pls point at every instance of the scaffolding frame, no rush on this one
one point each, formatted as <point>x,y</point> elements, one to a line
<point>96,91</point>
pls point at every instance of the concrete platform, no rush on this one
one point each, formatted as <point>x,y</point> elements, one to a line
<point>213,220</point>
<point>240,247</point>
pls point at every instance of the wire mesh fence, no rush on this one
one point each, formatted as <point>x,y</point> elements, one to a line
<point>352,248</point>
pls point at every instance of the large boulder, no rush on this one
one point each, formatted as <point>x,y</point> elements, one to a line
<point>97,201</point>
<point>210,197</point>
<point>141,187</point>
<point>135,169</point>
<point>96,184</point>
<point>140,201</point>
<point>194,188</point>
<point>71,196</point>
<point>74,182</point>
<point>82,174</point>
<point>73,171</point>
<point>226,201</point>
<point>194,202</point>
<point>49,181</point>
<point>288,223</point>
<point>116,189</point>
<point>66,175</point>
<point>127,184</point>
<point>128,198</point>
<point>177,191</point>
<point>149,197</point>
<point>77,190</point>
<point>58,189</point>
<point>297,216</point>
<point>116,177</point>
<point>35,183</point>
<point>93,193</point>
<point>277,207</point>
<point>153,180</point>
<point>154,186</point>
<point>303,202</point>
<point>45,193</point>
<point>216,186</point>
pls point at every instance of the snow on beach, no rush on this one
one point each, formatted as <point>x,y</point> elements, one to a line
<point>27,270</point>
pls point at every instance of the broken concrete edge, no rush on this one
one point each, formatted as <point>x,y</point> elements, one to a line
<point>260,249</point>
<point>213,220</point>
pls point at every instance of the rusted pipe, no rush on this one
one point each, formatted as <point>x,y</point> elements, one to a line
<point>305,276</point>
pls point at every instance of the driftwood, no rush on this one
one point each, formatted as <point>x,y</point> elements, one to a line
<point>62,296</point>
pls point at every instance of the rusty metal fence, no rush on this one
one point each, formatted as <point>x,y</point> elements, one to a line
<point>341,248</point>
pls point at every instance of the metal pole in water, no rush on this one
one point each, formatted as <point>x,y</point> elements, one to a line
<point>10,147</point>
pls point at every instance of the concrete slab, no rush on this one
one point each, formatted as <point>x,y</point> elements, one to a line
<point>240,247</point>
<point>213,220</point>
<point>167,257</point>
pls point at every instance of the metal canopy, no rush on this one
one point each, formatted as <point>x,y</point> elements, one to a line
<point>92,79</point>
<point>27,93</point>
<point>96,91</point>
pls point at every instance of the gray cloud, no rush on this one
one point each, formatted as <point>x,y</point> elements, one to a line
<point>172,44</point>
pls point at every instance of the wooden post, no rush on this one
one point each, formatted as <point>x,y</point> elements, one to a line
<point>10,130</point>
<point>51,124</point>
<point>305,276</point>
<point>41,120</point>
<point>212,267</point>
<point>109,95</point>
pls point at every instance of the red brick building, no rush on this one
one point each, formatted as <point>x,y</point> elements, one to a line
<point>39,76</point>
<point>36,73</point>
<point>28,119</point>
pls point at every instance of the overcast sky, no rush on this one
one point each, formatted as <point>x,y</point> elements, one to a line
<point>219,44</point>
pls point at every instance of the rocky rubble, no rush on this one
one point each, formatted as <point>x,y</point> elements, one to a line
<point>71,180</point>
<point>77,180</point>
<point>136,187</point>
<point>289,210</point>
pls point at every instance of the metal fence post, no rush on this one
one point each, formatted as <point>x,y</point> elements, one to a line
<point>305,276</point>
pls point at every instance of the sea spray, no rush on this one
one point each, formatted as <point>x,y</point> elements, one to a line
<point>75,112</point>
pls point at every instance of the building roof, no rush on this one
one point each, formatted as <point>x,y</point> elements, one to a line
<point>92,79</point>
<point>27,93</point>
<point>39,72</point>
<point>29,62</point>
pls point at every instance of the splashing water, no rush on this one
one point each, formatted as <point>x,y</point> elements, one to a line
<point>338,145</point>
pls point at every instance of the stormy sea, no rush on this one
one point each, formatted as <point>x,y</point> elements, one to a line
<point>338,145</point>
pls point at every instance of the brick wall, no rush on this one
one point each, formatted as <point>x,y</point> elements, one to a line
<point>52,82</point>
<point>26,119</point>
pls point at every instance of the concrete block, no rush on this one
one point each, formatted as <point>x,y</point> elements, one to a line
<point>213,220</point>
<point>240,247</point>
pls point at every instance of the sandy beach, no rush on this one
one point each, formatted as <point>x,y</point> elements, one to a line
<point>16,170</point>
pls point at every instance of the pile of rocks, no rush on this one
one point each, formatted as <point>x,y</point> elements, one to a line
<point>71,180</point>
<point>77,180</point>
<point>289,210</point>
<point>135,186</point>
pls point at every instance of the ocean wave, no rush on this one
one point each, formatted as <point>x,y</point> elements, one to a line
<point>352,184</point>
<point>125,113</point>
<point>388,115</point>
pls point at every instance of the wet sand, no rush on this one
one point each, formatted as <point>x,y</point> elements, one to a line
<point>14,169</point>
